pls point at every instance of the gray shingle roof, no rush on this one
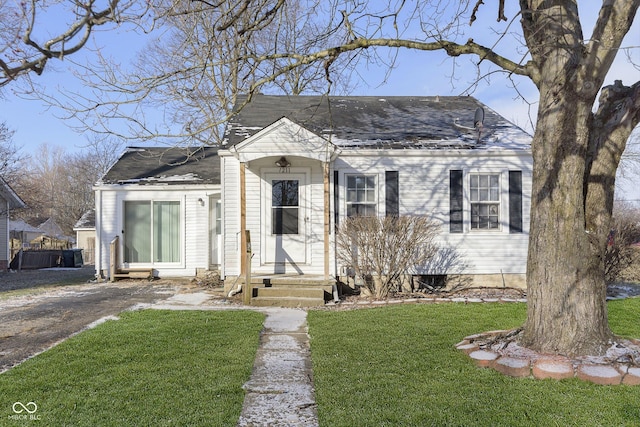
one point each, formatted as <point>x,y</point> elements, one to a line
<point>87,220</point>
<point>168,166</point>
<point>7,193</point>
<point>381,122</point>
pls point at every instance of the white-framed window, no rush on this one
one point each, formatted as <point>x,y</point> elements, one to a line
<point>152,231</point>
<point>361,195</point>
<point>484,195</point>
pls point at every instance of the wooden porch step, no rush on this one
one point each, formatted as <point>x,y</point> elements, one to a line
<point>291,292</point>
<point>289,296</point>
<point>134,273</point>
<point>286,302</point>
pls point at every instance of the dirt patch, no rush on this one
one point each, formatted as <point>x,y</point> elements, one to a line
<point>26,279</point>
<point>34,322</point>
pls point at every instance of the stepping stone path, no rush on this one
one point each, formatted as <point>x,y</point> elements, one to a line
<point>280,391</point>
<point>525,363</point>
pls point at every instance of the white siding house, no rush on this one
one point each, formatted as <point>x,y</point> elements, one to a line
<point>8,200</point>
<point>292,168</point>
<point>160,204</point>
<point>311,161</point>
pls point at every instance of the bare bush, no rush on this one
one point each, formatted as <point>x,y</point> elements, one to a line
<point>625,231</point>
<point>382,251</point>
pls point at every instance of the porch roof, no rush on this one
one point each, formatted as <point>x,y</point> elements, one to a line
<point>166,166</point>
<point>393,122</point>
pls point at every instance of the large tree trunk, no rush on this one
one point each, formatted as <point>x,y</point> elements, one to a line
<point>566,312</point>
<point>575,154</point>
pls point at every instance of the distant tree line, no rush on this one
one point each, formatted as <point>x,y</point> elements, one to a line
<point>53,182</point>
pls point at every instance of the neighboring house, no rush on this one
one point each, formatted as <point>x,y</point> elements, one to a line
<point>51,235</point>
<point>85,230</point>
<point>163,205</point>
<point>22,234</point>
<point>8,200</point>
<point>292,168</point>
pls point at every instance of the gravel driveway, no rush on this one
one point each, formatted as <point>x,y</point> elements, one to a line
<point>38,318</point>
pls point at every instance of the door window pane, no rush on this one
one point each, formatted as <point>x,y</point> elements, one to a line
<point>285,200</point>
<point>166,231</point>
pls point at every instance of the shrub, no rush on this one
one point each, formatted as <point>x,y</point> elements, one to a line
<point>382,250</point>
<point>624,232</point>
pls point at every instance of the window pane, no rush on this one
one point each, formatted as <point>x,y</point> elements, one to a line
<point>166,231</point>
<point>483,194</point>
<point>371,195</point>
<point>284,220</point>
<point>361,195</point>
<point>494,194</point>
<point>137,231</point>
<point>485,216</point>
<point>219,217</point>
<point>371,182</point>
<point>368,210</point>
<point>494,179</point>
<point>284,193</point>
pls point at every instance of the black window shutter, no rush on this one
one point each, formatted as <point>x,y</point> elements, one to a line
<point>392,193</point>
<point>455,201</point>
<point>336,200</point>
<point>515,201</point>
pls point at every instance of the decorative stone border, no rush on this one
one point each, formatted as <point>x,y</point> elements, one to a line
<point>528,364</point>
<point>427,300</point>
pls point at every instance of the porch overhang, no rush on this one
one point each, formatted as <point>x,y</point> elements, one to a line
<point>285,138</point>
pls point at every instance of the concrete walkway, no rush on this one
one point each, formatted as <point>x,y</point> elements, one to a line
<point>280,391</point>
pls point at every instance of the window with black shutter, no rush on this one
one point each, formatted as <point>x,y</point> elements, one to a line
<point>392,193</point>
<point>455,201</point>
<point>515,201</point>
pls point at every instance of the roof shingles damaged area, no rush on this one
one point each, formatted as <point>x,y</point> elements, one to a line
<point>165,166</point>
<point>396,122</point>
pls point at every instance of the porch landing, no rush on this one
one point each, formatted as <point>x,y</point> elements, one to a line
<point>290,290</point>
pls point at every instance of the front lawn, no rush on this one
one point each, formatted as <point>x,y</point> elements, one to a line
<point>397,366</point>
<point>152,368</point>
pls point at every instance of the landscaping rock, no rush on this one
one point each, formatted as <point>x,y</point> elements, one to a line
<point>483,358</point>
<point>599,374</point>
<point>513,367</point>
<point>554,368</point>
<point>632,377</point>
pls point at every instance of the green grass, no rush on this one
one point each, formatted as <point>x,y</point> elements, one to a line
<point>397,366</point>
<point>150,368</point>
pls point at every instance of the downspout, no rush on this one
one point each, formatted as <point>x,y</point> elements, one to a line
<point>98,245</point>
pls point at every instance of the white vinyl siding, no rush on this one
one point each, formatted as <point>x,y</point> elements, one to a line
<point>424,190</point>
<point>192,253</point>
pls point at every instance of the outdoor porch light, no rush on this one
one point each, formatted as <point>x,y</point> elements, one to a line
<point>282,162</point>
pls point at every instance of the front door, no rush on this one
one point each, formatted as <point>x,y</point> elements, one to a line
<point>285,225</point>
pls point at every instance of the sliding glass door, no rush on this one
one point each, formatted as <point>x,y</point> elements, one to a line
<point>151,231</point>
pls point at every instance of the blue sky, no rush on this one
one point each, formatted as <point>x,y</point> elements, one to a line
<point>416,73</point>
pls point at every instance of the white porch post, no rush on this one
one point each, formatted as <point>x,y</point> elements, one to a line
<point>327,220</point>
<point>243,220</point>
